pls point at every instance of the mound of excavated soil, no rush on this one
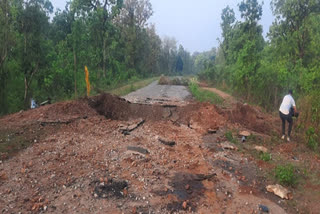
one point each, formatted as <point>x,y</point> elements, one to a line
<point>87,165</point>
<point>197,116</point>
<point>57,112</point>
<point>252,118</point>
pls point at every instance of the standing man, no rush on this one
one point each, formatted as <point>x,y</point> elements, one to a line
<point>285,112</point>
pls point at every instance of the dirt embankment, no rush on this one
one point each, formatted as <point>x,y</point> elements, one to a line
<point>200,116</point>
<point>81,161</point>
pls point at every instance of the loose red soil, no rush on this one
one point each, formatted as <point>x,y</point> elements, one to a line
<point>77,153</point>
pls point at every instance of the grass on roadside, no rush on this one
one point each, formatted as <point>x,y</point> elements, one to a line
<point>204,95</point>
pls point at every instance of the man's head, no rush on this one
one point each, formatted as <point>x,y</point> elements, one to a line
<point>290,91</point>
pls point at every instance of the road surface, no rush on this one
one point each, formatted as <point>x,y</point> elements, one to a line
<point>162,94</point>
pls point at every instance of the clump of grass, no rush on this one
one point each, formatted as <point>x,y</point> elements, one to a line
<point>312,139</point>
<point>252,137</point>
<point>229,136</point>
<point>204,95</point>
<point>285,174</point>
<point>265,157</point>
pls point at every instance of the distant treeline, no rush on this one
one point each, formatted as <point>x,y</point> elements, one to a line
<point>262,71</point>
<point>43,55</point>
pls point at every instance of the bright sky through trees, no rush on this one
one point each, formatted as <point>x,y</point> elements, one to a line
<point>195,24</point>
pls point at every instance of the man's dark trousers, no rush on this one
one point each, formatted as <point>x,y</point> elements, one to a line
<point>285,118</point>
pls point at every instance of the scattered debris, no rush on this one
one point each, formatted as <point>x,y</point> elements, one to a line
<point>193,125</point>
<point>134,210</point>
<point>39,203</point>
<point>137,150</point>
<point>48,101</point>
<point>201,177</point>
<point>295,158</point>
<point>3,176</point>
<point>184,205</point>
<point>187,187</point>
<point>127,129</point>
<point>243,139</point>
<point>261,149</point>
<point>212,131</point>
<point>263,208</point>
<point>227,145</point>
<point>244,135</point>
<point>167,142</point>
<point>279,191</point>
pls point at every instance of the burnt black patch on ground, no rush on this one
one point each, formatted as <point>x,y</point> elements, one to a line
<point>226,165</point>
<point>187,188</point>
<point>110,189</point>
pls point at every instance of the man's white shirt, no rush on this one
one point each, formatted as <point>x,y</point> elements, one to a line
<point>286,104</point>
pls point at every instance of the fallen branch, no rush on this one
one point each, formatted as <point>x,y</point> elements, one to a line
<point>127,129</point>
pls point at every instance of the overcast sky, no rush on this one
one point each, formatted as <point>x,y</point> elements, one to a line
<point>195,24</point>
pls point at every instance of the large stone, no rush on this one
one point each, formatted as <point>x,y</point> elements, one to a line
<point>261,149</point>
<point>245,133</point>
<point>279,191</point>
<point>227,145</point>
<point>137,151</point>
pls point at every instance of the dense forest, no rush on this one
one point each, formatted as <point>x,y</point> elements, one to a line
<point>44,54</point>
<point>262,70</point>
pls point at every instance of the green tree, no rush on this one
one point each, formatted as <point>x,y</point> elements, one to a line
<point>228,19</point>
<point>6,44</point>
<point>32,26</point>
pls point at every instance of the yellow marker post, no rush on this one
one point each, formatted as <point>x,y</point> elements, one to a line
<point>87,80</point>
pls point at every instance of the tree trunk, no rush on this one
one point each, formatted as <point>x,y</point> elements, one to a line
<point>104,57</point>
<point>5,45</point>
<point>26,90</point>
<point>75,72</point>
<point>276,97</point>
<point>27,84</point>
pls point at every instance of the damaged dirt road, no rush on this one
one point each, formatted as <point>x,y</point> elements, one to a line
<point>107,155</point>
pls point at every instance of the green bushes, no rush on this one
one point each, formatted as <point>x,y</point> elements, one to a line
<point>265,156</point>
<point>204,95</point>
<point>312,139</point>
<point>229,136</point>
<point>285,174</point>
